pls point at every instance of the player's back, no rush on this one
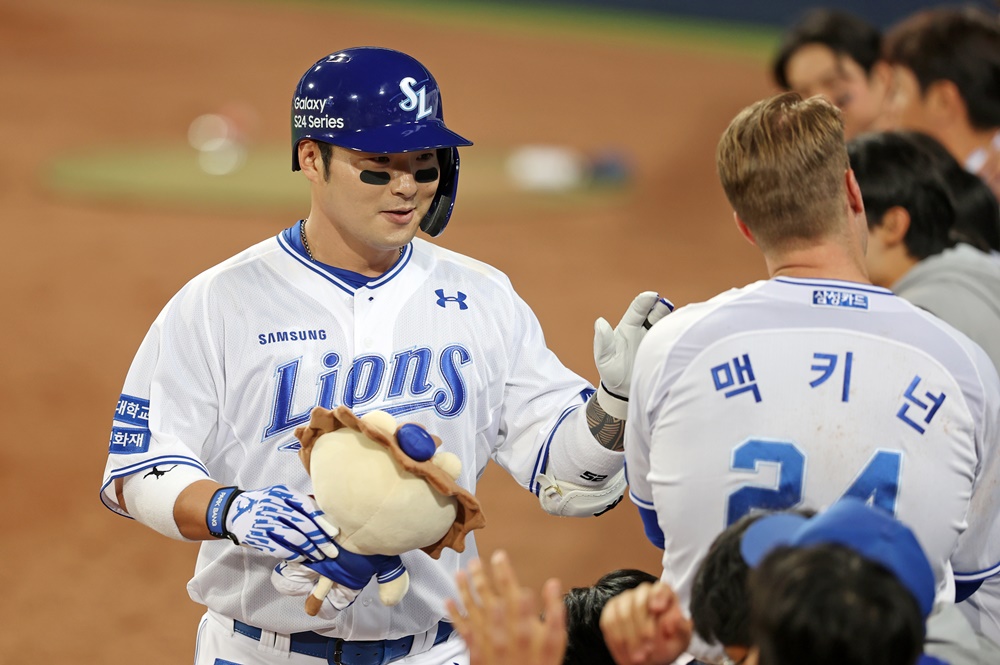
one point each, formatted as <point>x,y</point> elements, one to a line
<point>793,393</point>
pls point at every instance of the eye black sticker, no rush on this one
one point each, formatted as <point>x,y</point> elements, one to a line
<point>426,175</point>
<point>375,177</point>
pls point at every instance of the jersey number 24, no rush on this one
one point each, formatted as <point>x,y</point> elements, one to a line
<point>877,483</point>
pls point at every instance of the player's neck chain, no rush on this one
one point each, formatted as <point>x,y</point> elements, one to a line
<point>305,242</point>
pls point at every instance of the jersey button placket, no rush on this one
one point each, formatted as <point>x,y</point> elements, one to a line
<point>364,301</point>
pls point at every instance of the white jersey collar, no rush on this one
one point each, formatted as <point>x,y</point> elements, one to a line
<point>839,283</point>
<point>322,271</point>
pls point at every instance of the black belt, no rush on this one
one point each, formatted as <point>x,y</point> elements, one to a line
<point>342,652</point>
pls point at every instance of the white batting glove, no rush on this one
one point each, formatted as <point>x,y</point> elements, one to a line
<point>281,522</point>
<point>614,350</point>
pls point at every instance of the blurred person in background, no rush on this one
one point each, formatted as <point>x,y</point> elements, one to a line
<point>946,74</point>
<point>911,246</point>
<point>837,55</point>
<point>977,214</point>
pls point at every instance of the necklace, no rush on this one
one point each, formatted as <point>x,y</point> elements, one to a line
<point>305,242</point>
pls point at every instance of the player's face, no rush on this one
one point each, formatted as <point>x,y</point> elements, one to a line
<point>913,107</point>
<point>376,201</point>
<point>815,69</point>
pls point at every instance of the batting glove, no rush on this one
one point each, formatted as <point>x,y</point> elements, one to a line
<point>275,520</point>
<point>614,350</point>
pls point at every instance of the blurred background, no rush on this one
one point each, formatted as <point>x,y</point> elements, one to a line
<point>145,141</point>
<point>779,13</point>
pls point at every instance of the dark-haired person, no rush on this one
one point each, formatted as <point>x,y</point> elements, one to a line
<point>837,55</point>
<point>911,220</point>
<point>584,605</point>
<point>977,214</point>
<point>946,74</point>
<point>720,601</point>
<point>850,585</point>
<point>721,606</point>
<point>721,611</point>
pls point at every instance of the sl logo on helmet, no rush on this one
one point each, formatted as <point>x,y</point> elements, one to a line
<point>416,100</point>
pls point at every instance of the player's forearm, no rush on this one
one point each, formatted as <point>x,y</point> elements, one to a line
<point>606,430</point>
<point>583,475</point>
<point>586,448</point>
<point>191,508</point>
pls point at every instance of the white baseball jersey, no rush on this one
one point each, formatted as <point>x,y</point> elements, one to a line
<point>239,357</point>
<point>794,392</point>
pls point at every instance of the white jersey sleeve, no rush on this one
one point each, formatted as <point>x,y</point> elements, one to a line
<point>976,556</point>
<point>535,411</point>
<point>175,371</point>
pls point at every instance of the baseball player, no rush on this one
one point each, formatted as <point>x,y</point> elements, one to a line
<point>814,384</point>
<point>347,307</point>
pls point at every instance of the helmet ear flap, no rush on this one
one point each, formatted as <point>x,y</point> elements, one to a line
<point>440,211</point>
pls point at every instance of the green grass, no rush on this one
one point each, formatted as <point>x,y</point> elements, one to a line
<point>170,175</point>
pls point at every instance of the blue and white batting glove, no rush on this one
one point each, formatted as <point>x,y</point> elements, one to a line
<point>275,520</point>
<point>614,350</point>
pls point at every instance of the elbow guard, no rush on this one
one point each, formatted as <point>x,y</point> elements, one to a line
<point>566,499</point>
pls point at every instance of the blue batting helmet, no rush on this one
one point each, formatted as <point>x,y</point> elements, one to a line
<point>378,100</point>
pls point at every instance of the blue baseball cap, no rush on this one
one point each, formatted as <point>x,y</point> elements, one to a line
<point>871,532</point>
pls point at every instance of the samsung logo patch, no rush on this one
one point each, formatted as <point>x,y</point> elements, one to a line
<point>290,336</point>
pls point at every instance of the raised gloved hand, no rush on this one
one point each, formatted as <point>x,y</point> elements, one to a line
<point>275,520</point>
<point>614,350</point>
<point>296,579</point>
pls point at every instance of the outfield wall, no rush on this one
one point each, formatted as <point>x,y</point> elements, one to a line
<point>779,13</point>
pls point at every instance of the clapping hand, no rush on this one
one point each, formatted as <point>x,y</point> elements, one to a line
<point>500,621</point>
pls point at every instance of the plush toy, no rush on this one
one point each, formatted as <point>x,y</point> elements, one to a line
<point>388,490</point>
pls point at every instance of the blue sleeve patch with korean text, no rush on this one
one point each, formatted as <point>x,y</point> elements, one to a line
<point>129,440</point>
<point>132,411</point>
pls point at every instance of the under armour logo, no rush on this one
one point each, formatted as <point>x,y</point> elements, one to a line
<point>443,300</point>
<point>416,100</point>
<point>610,506</point>
<point>156,473</point>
